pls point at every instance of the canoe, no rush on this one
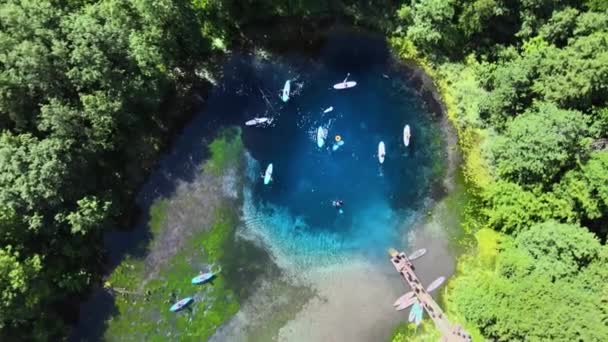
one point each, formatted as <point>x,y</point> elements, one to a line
<point>417,254</point>
<point>407,134</point>
<point>258,121</point>
<point>203,278</point>
<point>181,304</point>
<point>286,90</point>
<point>435,284</point>
<point>381,152</point>
<point>320,136</point>
<point>268,174</point>
<point>329,109</point>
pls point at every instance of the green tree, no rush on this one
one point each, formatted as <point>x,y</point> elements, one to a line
<point>511,209</point>
<point>431,28</point>
<point>539,144</point>
<point>560,27</point>
<point>587,186</point>
<point>17,286</point>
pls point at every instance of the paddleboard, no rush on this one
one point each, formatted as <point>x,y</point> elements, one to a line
<point>202,278</point>
<point>181,304</point>
<point>403,298</point>
<point>418,316</point>
<point>406,304</point>
<point>406,135</point>
<point>286,90</point>
<point>435,284</point>
<point>381,152</point>
<point>258,121</point>
<point>413,312</point>
<point>320,136</point>
<point>268,174</point>
<point>345,85</point>
<point>327,110</point>
<point>417,254</point>
<point>337,145</point>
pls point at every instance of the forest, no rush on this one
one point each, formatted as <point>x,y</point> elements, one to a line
<point>91,91</point>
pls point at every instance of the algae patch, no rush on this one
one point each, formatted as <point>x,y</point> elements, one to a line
<point>192,232</point>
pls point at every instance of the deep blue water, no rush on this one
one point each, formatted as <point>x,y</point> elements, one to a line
<point>380,201</point>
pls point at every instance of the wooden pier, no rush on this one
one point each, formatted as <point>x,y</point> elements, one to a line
<point>450,333</point>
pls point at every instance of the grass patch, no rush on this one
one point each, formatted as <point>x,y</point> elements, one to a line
<point>158,216</point>
<point>226,150</point>
<point>145,316</point>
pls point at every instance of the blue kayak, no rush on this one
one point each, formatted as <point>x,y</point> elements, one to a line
<point>203,278</point>
<point>181,304</point>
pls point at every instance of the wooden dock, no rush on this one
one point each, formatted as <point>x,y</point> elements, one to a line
<point>450,333</point>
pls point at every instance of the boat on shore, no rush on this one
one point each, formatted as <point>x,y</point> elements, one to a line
<point>181,304</point>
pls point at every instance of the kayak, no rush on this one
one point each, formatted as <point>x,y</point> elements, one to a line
<point>203,278</point>
<point>417,254</point>
<point>268,174</point>
<point>435,284</point>
<point>320,136</point>
<point>181,304</point>
<point>381,152</point>
<point>257,121</point>
<point>286,89</point>
<point>345,84</point>
<point>327,110</point>
<point>407,134</point>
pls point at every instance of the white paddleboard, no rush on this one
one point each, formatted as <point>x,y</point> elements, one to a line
<point>417,254</point>
<point>258,121</point>
<point>435,284</point>
<point>403,298</point>
<point>320,136</point>
<point>268,174</point>
<point>407,134</point>
<point>381,152</point>
<point>345,85</point>
<point>327,110</point>
<point>286,90</point>
<point>406,303</point>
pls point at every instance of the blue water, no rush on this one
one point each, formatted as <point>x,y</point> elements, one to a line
<point>294,213</point>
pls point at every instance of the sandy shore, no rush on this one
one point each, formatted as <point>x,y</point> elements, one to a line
<point>353,302</point>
